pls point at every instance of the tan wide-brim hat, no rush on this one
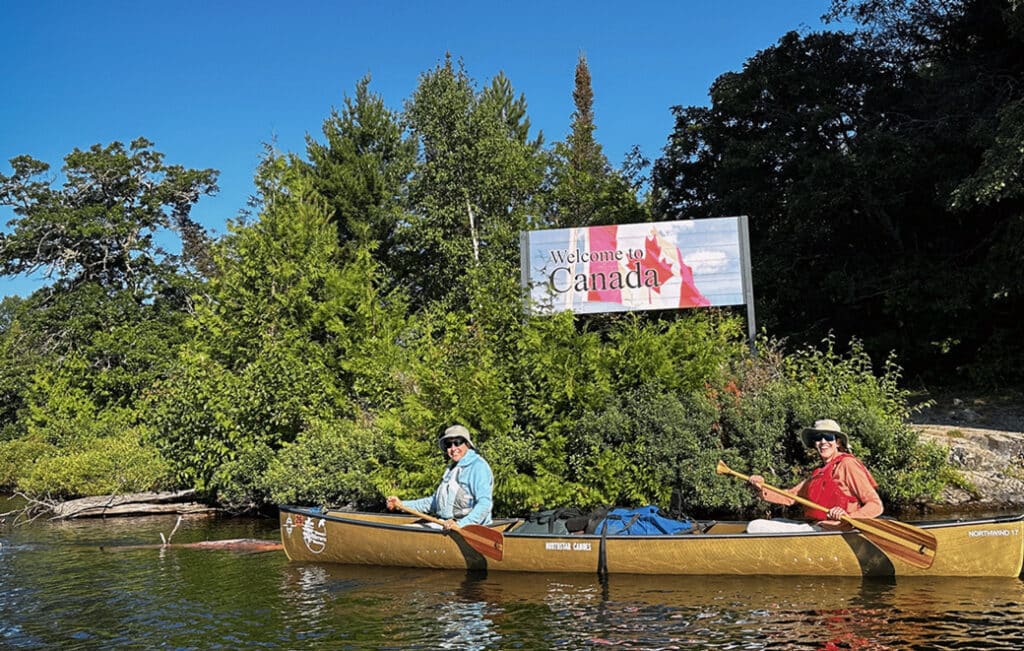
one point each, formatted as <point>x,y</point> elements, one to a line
<point>455,432</point>
<point>826,426</point>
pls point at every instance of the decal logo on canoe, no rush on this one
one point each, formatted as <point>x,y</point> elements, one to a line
<point>566,547</point>
<point>289,526</point>
<point>994,532</point>
<point>314,534</point>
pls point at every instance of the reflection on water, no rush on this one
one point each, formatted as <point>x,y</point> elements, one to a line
<point>59,589</point>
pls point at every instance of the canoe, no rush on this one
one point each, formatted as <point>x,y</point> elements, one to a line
<point>989,547</point>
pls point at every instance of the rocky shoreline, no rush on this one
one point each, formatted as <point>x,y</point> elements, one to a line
<point>985,439</point>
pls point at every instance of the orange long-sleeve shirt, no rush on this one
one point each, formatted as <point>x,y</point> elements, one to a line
<point>853,480</point>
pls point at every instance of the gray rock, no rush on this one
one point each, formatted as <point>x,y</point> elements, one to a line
<point>990,461</point>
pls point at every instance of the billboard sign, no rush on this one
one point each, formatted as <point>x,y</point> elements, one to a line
<point>649,266</point>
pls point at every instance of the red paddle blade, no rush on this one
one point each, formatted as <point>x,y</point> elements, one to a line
<point>488,542</point>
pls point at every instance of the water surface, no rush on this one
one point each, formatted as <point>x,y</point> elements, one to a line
<point>67,585</point>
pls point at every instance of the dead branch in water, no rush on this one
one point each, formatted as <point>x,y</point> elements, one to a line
<point>167,540</point>
<point>33,510</point>
<point>248,545</point>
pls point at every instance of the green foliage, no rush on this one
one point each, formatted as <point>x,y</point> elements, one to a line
<point>611,419</point>
<point>108,465</point>
<point>328,464</point>
<point>873,411</point>
<point>360,170</point>
<point>641,447</point>
<point>100,226</point>
<point>218,426</point>
<point>473,188</point>
<point>290,334</point>
<point>255,371</point>
<point>582,189</point>
<point>77,357</point>
<point>774,396</point>
<point>72,447</point>
<point>450,376</point>
<point>20,455</point>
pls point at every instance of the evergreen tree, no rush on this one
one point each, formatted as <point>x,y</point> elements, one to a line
<point>582,189</point>
<point>291,338</point>
<point>585,155</point>
<point>361,170</point>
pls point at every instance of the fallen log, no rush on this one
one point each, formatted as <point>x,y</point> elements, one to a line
<point>183,508</point>
<point>249,545</point>
<point>179,502</point>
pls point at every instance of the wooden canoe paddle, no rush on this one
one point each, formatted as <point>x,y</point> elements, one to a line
<point>906,542</point>
<point>489,542</point>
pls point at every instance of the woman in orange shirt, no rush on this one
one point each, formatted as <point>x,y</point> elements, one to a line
<point>842,484</point>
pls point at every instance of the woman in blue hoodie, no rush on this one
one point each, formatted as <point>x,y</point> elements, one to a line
<point>465,495</point>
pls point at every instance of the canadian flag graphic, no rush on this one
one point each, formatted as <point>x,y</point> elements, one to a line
<point>674,288</point>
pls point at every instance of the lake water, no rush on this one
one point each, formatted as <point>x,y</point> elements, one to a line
<point>67,585</point>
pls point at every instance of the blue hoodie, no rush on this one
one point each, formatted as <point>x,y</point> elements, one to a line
<point>474,499</point>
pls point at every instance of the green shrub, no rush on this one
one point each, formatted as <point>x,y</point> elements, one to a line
<point>641,447</point>
<point>328,464</point>
<point>73,448</point>
<point>115,464</point>
<point>775,395</point>
<point>19,455</point>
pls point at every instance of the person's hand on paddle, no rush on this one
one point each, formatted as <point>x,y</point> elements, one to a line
<point>836,513</point>
<point>393,502</point>
<point>756,481</point>
<point>449,525</point>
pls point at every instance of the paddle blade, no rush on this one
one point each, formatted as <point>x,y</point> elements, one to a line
<point>488,542</point>
<point>906,542</point>
<point>917,559</point>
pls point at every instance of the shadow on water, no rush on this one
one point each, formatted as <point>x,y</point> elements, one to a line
<point>58,589</point>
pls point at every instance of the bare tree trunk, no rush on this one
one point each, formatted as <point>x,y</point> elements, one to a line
<point>472,232</point>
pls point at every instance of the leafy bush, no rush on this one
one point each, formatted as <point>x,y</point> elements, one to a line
<point>611,417</point>
<point>18,456</point>
<point>776,395</point>
<point>74,448</point>
<point>116,464</point>
<point>328,464</point>
<point>641,447</point>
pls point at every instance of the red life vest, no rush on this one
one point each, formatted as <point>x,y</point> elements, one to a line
<point>823,488</point>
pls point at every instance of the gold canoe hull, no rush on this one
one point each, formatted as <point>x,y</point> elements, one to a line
<point>992,547</point>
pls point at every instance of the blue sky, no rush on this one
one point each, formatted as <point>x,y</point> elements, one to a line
<point>209,82</point>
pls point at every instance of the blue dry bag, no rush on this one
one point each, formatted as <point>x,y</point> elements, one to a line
<point>642,521</point>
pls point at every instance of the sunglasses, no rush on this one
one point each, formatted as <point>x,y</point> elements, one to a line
<point>456,442</point>
<point>819,436</point>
